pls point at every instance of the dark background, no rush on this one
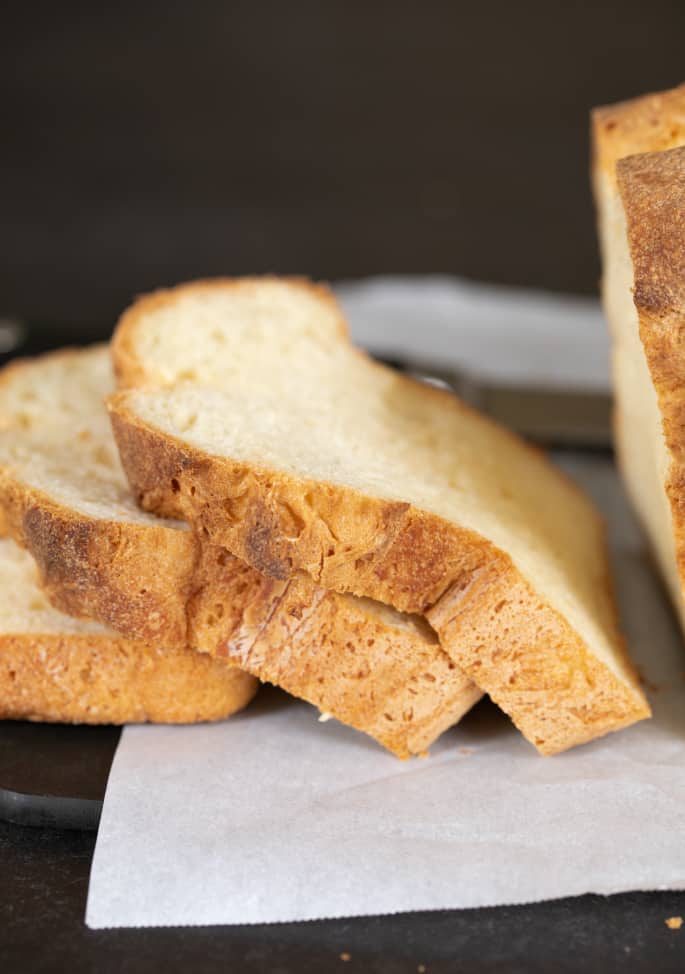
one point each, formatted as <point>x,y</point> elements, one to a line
<point>148,142</point>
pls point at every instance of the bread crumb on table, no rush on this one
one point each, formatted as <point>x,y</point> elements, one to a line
<point>345,956</point>
<point>674,923</point>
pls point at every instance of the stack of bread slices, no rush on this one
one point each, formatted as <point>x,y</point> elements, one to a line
<point>266,503</point>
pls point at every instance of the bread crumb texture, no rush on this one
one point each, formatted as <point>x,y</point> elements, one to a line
<point>66,499</point>
<point>370,483</point>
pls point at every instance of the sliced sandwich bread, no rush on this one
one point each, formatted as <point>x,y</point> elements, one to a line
<point>56,668</point>
<point>639,182</point>
<point>245,408</point>
<point>66,499</point>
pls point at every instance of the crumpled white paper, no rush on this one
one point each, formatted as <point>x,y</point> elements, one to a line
<point>273,816</point>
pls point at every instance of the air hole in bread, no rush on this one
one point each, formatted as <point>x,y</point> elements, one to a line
<point>175,486</point>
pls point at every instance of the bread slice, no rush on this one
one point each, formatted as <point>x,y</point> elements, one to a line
<point>640,204</point>
<point>245,408</point>
<point>56,668</point>
<point>66,499</point>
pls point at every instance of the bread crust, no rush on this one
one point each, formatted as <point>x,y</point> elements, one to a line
<point>652,188</point>
<point>93,568</point>
<point>553,688</point>
<point>650,123</point>
<point>157,584</point>
<point>134,577</point>
<point>100,679</point>
<point>398,686</point>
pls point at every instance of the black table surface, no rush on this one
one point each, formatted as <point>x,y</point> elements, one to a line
<point>44,882</point>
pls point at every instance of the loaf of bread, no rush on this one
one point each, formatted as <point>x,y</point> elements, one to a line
<point>66,499</point>
<point>56,668</point>
<point>245,409</point>
<point>639,183</point>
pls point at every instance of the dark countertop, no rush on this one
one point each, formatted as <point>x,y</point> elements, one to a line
<point>45,879</point>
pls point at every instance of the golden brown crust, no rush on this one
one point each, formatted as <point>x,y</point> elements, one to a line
<point>396,554</point>
<point>149,582</point>
<point>386,550</point>
<point>134,577</point>
<point>531,662</point>
<point>95,569</point>
<point>333,651</point>
<point>649,123</point>
<point>652,188</point>
<point>97,679</point>
<point>393,552</point>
